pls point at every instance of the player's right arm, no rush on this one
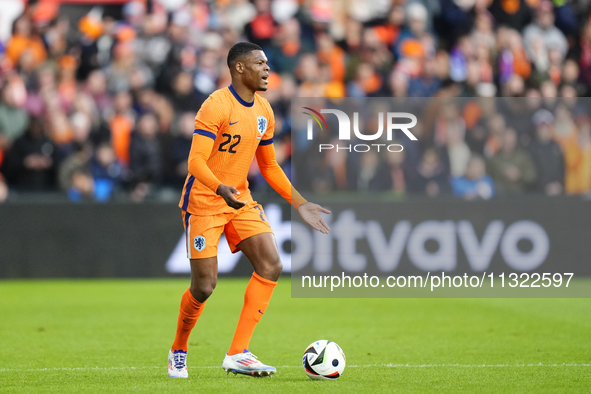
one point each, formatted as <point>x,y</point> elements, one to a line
<point>274,174</point>
<point>207,124</point>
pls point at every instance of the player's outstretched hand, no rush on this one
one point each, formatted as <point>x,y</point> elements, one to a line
<point>310,212</point>
<point>227,193</point>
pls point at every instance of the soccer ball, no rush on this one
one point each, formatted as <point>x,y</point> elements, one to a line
<point>324,360</point>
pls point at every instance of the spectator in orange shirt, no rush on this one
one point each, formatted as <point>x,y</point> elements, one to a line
<point>121,124</point>
<point>23,40</point>
<point>330,53</point>
<point>577,155</point>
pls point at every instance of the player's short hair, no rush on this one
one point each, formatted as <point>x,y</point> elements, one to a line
<point>240,49</point>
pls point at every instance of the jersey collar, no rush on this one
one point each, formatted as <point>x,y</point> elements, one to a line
<point>245,103</point>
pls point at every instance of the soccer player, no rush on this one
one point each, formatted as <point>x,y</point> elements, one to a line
<point>232,127</point>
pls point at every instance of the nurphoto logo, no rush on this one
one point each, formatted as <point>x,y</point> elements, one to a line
<point>345,129</point>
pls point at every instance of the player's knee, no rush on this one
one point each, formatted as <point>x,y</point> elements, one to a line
<point>273,270</point>
<point>202,294</point>
<point>278,268</point>
<point>202,291</point>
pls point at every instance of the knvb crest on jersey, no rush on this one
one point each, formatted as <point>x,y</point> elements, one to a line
<point>199,242</point>
<point>345,129</point>
<point>261,126</point>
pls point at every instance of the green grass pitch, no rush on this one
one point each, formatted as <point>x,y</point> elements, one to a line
<point>113,336</point>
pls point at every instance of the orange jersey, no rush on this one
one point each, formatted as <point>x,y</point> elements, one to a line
<point>237,128</point>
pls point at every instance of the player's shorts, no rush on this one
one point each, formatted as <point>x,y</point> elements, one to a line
<point>203,232</point>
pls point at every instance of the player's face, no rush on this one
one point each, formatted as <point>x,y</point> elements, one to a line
<point>256,69</point>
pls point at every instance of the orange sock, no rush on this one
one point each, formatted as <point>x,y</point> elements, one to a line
<point>189,313</point>
<point>256,299</point>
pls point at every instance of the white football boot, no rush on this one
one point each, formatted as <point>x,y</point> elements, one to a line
<point>177,364</point>
<point>247,364</point>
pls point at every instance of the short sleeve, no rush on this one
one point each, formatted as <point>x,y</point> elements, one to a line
<point>268,136</point>
<point>210,118</point>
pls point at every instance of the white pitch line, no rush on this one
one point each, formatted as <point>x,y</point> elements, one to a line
<point>389,365</point>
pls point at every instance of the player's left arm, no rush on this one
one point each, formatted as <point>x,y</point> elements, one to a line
<point>274,175</point>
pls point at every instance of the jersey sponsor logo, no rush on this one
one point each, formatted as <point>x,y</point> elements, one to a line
<point>262,125</point>
<point>199,242</point>
<point>233,123</point>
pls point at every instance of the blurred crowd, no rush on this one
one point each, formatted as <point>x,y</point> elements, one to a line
<point>100,106</point>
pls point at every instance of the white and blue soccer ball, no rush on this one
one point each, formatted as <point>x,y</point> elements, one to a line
<point>324,360</point>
